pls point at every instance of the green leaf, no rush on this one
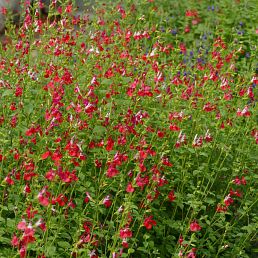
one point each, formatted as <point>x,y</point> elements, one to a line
<point>63,244</point>
<point>100,130</point>
<point>5,240</point>
<point>10,223</point>
<point>51,251</point>
<point>131,250</point>
<point>7,93</point>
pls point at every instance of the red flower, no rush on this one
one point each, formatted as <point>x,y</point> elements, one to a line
<point>61,200</point>
<point>87,198</point>
<point>129,188</point>
<point>50,175</point>
<point>235,193</point>
<point>187,29</point>
<point>126,233</point>
<point>194,226</point>
<point>174,127</point>
<point>221,208</point>
<point>228,200</point>
<point>112,171</point>
<point>171,196</point>
<point>44,201</point>
<point>9,180</point>
<point>181,240</point>
<point>245,112</point>
<point>107,201</point>
<point>30,212</point>
<point>149,222</point>
<point>208,137</point>
<point>125,244</point>
<point>110,144</point>
<point>255,79</point>
<point>160,134</point>
<point>67,77</point>
<point>46,155</point>
<point>43,197</point>
<point>68,8</point>
<point>208,107</point>
<point>3,10</point>
<point>239,181</point>
<point>166,162</point>
<point>198,140</point>
<point>243,181</point>
<point>22,252</point>
<point>15,241</point>
<point>191,13</point>
<point>142,181</point>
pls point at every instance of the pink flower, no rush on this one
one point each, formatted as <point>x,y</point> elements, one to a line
<point>192,254</point>
<point>22,225</point>
<point>194,226</point>
<point>43,200</point>
<point>93,254</point>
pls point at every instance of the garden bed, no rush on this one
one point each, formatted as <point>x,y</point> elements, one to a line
<point>134,135</point>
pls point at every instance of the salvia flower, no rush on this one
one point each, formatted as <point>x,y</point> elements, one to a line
<point>107,201</point>
<point>245,112</point>
<point>239,181</point>
<point>228,200</point>
<point>208,137</point>
<point>198,140</point>
<point>129,188</point>
<point>192,254</point>
<point>171,196</point>
<point>194,226</point>
<point>125,233</point>
<point>181,240</point>
<point>149,222</point>
<point>221,208</point>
